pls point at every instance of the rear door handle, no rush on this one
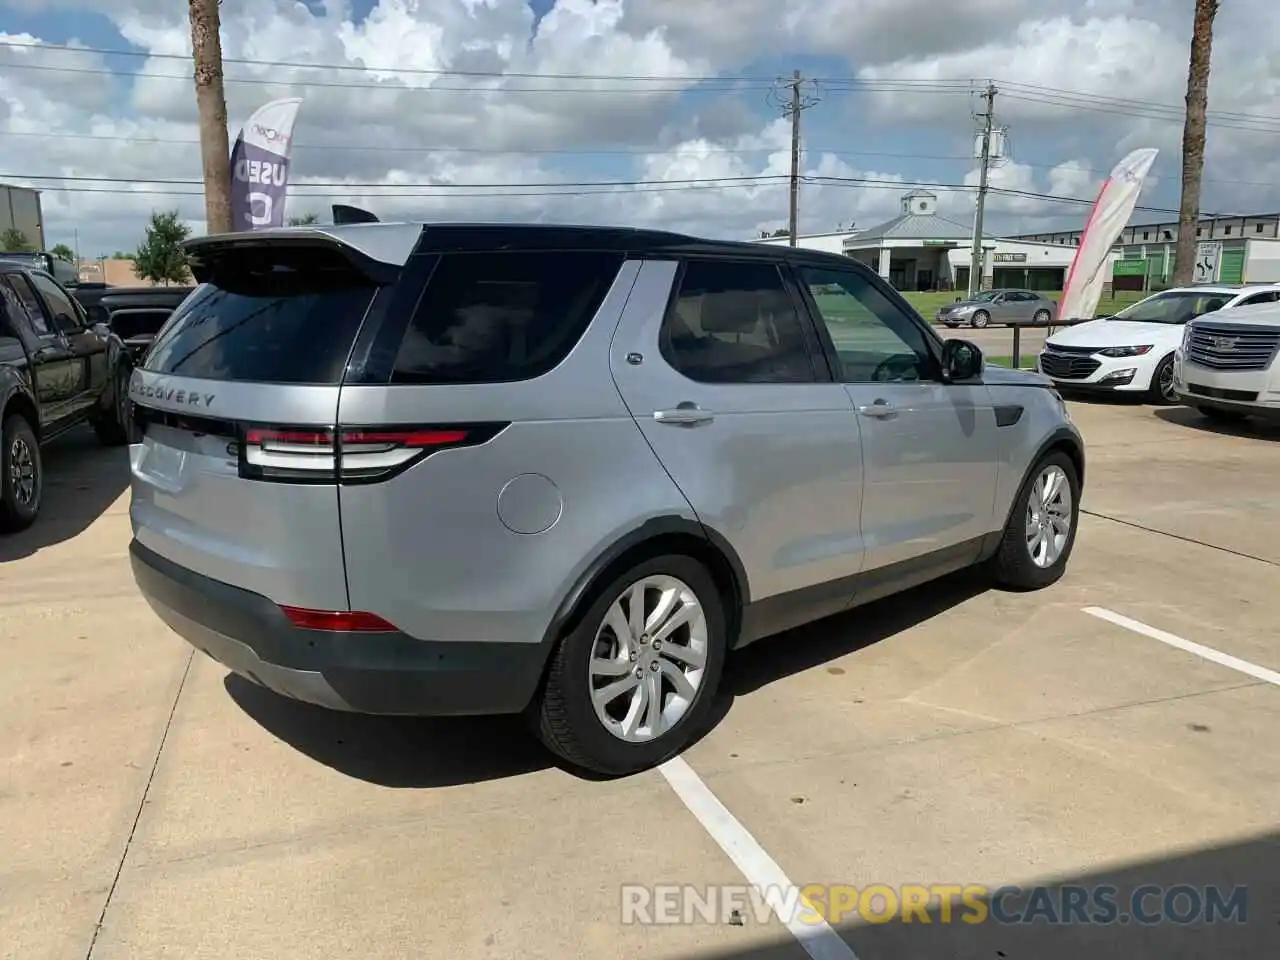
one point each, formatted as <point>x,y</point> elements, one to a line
<point>881,409</point>
<point>684,415</point>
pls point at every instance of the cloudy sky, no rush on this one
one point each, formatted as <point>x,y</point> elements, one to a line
<point>531,109</point>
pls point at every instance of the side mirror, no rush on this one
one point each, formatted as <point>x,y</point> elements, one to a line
<point>961,360</point>
<point>101,329</point>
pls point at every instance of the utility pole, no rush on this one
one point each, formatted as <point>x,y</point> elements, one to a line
<point>215,151</point>
<point>795,155</point>
<point>988,119</point>
<point>792,104</point>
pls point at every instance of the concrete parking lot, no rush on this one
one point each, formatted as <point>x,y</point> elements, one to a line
<point>152,807</point>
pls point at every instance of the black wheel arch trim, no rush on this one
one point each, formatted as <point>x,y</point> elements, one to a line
<point>1059,437</point>
<point>11,388</point>
<point>651,529</point>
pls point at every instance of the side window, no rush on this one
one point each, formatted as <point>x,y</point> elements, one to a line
<point>874,339</point>
<point>30,304</point>
<point>736,323</point>
<point>65,316</point>
<point>1269,297</point>
<point>499,317</point>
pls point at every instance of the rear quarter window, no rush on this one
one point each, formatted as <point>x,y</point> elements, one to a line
<point>497,317</point>
<point>273,315</point>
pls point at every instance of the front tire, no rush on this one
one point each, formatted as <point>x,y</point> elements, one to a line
<point>1041,532</point>
<point>631,684</point>
<point>980,319</point>
<point>1040,316</point>
<point>21,476</point>
<point>1161,390</point>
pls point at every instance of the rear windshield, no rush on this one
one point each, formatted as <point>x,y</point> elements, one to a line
<point>271,314</point>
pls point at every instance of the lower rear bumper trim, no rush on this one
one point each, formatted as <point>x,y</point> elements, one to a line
<point>390,673</point>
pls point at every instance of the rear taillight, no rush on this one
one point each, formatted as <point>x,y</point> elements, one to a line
<point>352,455</point>
<point>338,621</point>
<point>299,454</point>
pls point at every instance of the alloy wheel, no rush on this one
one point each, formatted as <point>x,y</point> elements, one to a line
<point>22,472</point>
<point>648,659</point>
<point>1048,516</point>
<point>1165,382</point>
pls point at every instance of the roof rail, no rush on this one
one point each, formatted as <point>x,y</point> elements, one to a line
<point>342,213</point>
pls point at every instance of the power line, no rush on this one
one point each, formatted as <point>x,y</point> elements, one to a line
<point>617,188</point>
<point>1088,99</point>
<point>425,151</point>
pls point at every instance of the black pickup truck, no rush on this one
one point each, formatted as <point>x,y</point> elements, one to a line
<point>57,370</point>
<point>136,314</point>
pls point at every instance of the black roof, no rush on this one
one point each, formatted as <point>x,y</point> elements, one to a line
<point>633,240</point>
<point>393,243</point>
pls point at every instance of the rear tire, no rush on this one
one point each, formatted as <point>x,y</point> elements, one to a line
<point>980,319</point>
<point>116,428</point>
<point>1217,415</point>
<point>616,737</point>
<point>21,475</point>
<point>1019,562</point>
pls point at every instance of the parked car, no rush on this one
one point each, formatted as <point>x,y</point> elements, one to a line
<point>1228,365</point>
<point>136,314</point>
<point>565,471</point>
<point>57,370</point>
<point>999,306</point>
<point>1132,351</point>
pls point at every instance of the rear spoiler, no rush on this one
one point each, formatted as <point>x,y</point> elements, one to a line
<point>378,256</point>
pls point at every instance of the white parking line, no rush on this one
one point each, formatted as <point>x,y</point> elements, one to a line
<point>1217,656</point>
<point>816,937</point>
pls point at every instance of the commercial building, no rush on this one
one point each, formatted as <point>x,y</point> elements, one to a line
<point>1239,249</point>
<point>922,250</point>
<point>20,210</point>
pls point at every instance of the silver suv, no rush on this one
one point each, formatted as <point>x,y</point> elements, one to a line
<point>563,471</point>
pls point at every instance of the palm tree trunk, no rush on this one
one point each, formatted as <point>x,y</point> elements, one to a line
<point>1193,140</point>
<point>206,44</point>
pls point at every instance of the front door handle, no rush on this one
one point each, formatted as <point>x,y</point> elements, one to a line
<point>881,409</point>
<point>685,414</point>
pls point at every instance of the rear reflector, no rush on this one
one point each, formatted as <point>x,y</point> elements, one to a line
<point>339,621</point>
<point>355,455</point>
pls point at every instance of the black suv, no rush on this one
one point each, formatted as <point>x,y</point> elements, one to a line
<point>57,370</point>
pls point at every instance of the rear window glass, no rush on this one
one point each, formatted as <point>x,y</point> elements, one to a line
<point>267,314</point>
<point>497,317</point>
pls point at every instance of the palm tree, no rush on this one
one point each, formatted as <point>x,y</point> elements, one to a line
<point>1193,140</point>
<point>206,45</point>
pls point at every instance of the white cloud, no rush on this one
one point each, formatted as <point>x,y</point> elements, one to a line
<point>368,124</point>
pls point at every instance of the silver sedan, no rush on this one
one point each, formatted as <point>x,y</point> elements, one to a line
<point>999,306</point>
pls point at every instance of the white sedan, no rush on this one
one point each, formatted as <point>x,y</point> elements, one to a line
<point>1132,352</point>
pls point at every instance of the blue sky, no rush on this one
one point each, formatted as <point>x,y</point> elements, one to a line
<point>1093,53</point>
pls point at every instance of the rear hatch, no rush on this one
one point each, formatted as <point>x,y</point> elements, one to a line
<point>235,475</point>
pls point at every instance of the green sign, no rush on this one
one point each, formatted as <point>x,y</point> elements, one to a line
<point>1130,268</point>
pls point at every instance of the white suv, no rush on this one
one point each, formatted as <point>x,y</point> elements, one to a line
<point>1132,352</point>
<point>1226,365</point>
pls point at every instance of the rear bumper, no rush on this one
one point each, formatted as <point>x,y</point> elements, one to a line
<point>379,673</point>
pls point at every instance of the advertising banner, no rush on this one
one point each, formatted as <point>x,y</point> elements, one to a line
<point>1110,214</point>
<point>260,166</point>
